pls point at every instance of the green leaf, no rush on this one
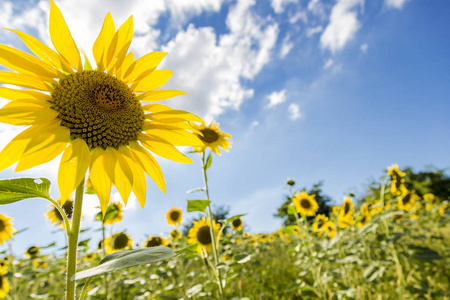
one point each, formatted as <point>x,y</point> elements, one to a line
<point>208,162</point>
<point>126,259</point>
<point>291,210</point>
<point>13,190</point>
<point>197,205</point>
<point>111,212</point>
<point>242,258</point>
<point>189,249</point>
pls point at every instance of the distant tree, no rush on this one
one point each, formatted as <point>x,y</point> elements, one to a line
<point>321,199</point>
<point>220,213</point>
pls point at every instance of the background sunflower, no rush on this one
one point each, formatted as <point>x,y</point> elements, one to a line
<point>6,229</point>
<point>200,233</point>
<point>174,216</point>
<point>305,204</point>
<point>212,138</point>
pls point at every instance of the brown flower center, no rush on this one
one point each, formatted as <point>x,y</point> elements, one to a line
<point>2,226</point>
<point>209,135</point>
<point>305,203</point>
<point>174,215</point>
<point>236,223</point>
<point>204,236</point>
<point>121,241</point>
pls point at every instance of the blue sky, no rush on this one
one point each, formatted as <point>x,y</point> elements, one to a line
<point>316,90</point>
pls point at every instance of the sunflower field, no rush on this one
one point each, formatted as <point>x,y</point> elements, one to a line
<point>96,117</point>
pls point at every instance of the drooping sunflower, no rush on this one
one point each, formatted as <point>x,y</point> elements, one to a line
<point>175,234</point>
<point>118,241</point>
<point>174,216</point>
<point>4,286</point>
<point>6,229</point>
<point>200,233</point>
<point>397,179</point>
<point>212,138</point>
<point>32,252</point>
<point>55,216</point>
<point>237,224</point>
<point>117,213</point>
<point>89,256</point>
<point>154,241</point>
<point>305,204</point>
<point>93,116</point>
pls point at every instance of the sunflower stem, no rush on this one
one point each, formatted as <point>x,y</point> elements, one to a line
<point>63,215</point>
<point>84,290</point>
<point>105,278</point>
<point>211,230</point>
<point>73,242</point>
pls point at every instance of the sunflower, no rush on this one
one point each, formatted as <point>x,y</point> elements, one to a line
<point>93,116</point>
<point>375,208</point>
<point>200,233</point>
<point>445,207</point>
<point>397,179</point>
<point>237,224</point>
<point>319,222</point>
<point>329,228</point>
<point>305,204</point>
<point>6,229</point>
<point>363,220</point>
<point>407,199</point>
<point>117,210</point>
<point>175,234</point>
<point>4,286</point>
<point>174,216</point>
<point>431,200</point>
<point>3,266</point>
<point>212,138</point>
<point>154,241</point>
<point>117,242</point>
<point>39,263</point>
<point>89,256</point>
<point>32,252</point>
<point>55,216</point>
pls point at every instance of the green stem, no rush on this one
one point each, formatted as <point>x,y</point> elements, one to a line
<point>13,271</point>
<point>63,215</point>
<point>105,278</point>
<point>84,290</point>
<point>212,232</point>
<point>73,242</point>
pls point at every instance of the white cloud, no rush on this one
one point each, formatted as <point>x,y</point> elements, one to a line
<point>300,15</point>
<point>313,30</point>
<point>276,98</point>
<point>398,4</point>
<point>286,47</point>
<point>343,25</point>
<point>279,5</point>
<point>294,111</point>
<point>328,64</point>
<point>316,7</point>
<point>364,48</point>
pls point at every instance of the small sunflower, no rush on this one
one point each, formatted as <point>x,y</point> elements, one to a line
<point>305,204</point>
<point>237,224</point>
<point>117,207</point>
<point>407,199</point>
<point>175,234</point>
<point>55,216</point>
<point>363,220</point>
<point>200,233</point>
<point>40,263</point>
<point>212,138</point>
<point>32,252</point>
<point>117,242</point>
<point>431,200</point>
<point>376,208</point>
<point>174,216</point>
<point>154,241</point>
<point>329,228</point>
<point>92,115</point>
<point>3,266</point>
<point>89,256</point>
<point>4,286</point>
<point>319,222</point>
<point>397,179</point>
<point>6,229</point>
<point>445,207</point>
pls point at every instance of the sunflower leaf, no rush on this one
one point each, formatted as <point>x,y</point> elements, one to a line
<point>126,259</point>
<point>208,162</point>
<point>13,190</point>
<point>189,249</point>
<point>291,210</point>
<point>231,219</point>
<point>197,205</point>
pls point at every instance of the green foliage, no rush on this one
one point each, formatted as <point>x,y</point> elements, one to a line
<point>197,205</point>
<point>13,190</point>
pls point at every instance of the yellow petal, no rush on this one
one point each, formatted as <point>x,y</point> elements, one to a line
<point>163,148</point>
<point>44,52</point>
<point>139,184</point>
<point>27,112</point>
<point>72,169</point>
<point>119,45</point>
<point>176,137</point>
<point>14,149</point>
<point>25,63</point>
<point>129,59</point>
<point>99,178</point>
<point>102,42</point>
<point>119,172</point>
<point>149,164</point>
<point>24,80</point>
<point>159,95</point>
<point>14,94</point>
<point>144,66</point>
<point>62,39</point>
<point>169,116</point>
<point>155,80</point>
<point>173,126</point>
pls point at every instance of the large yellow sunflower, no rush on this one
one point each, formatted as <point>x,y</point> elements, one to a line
<point>305,204</point>
<point>174,216</point>
<point>118,241</point>
<point>55,216</point>
<point>93,116</point>
<point>6,229</point>
<point>212,138</point>
<point>200,233</point>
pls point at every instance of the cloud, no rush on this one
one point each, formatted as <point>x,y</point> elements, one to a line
<point>342,26</point>
<point>328,64</point>
<point>294,111</point>
<point>286,46</point>
<point>279,5</point>
<point>313,30</point>
<point>398,4</point>
<point>317,8</point>
<point>364,48</point>
<point>276,98</point>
